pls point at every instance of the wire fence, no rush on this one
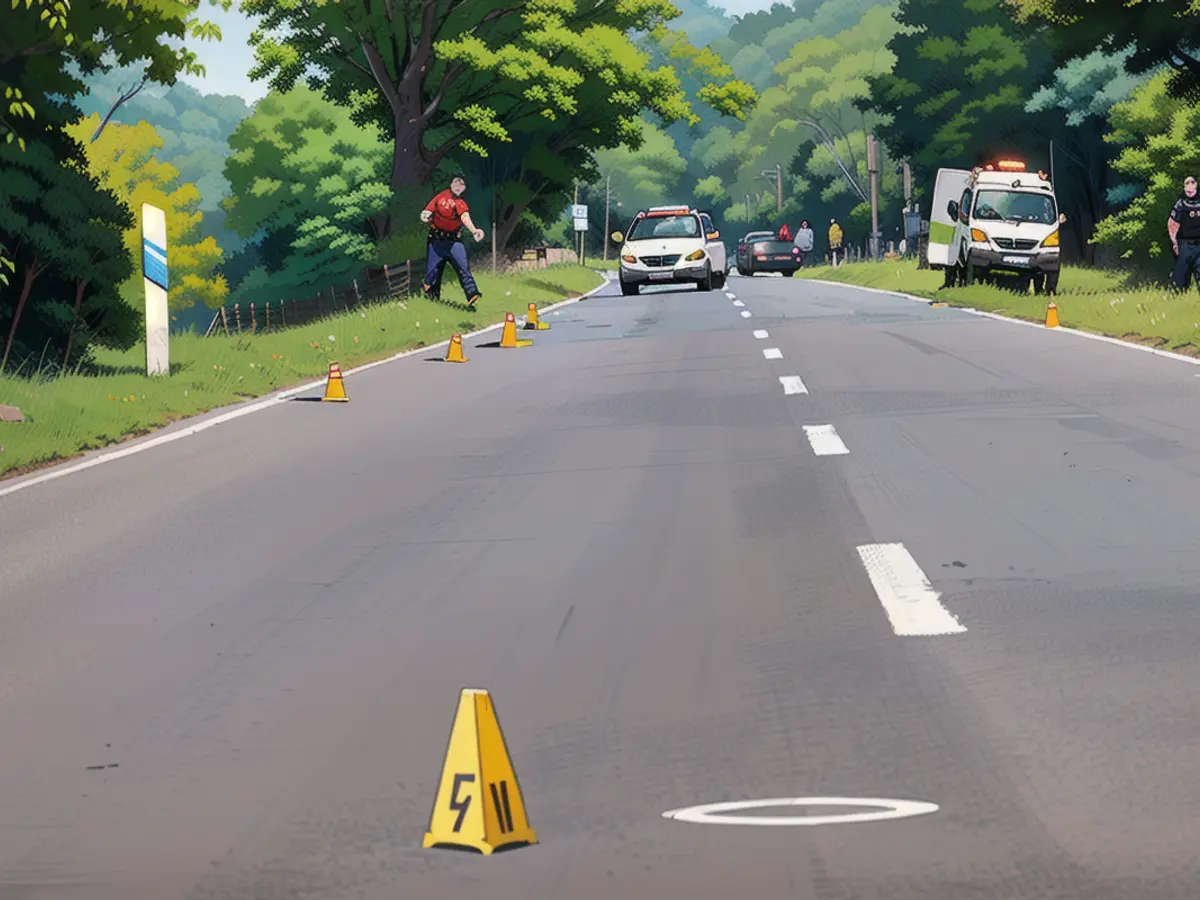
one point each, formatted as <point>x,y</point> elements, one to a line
<point>375,286</point>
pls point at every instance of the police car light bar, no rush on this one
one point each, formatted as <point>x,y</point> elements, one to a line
<point>1010,165</point>
<point>668,211</point>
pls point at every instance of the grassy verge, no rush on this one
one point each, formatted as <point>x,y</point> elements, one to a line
<point>71,414</point>
<point>1088,299</point>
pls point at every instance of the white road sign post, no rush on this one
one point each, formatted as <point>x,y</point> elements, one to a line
<point>580,215</point>
<point>154,275</point>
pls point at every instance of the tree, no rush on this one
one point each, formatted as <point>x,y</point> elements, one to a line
<point>441,80</point>
<point>124,160</point>
<point>957,94</point>
<point>1161,34</point>
<point>1154,129</point>
<point>310,187</point>
<point>63,233</point>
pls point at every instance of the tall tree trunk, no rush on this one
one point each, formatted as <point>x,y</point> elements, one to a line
<point>80,287</point>
<point>510,220</point>
<point>410,168</point>
<point>31,274</point>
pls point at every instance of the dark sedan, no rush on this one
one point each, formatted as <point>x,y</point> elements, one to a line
<point>767,254</point>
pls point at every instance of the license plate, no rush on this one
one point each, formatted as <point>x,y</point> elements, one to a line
<point>783,257</point>
<point>1017,260</point>
<point>661,276</point>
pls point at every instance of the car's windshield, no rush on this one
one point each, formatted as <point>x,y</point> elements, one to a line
<point>649,227</point>
<point>1015,206</point>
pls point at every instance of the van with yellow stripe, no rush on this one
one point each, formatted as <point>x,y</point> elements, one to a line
<point>995,220</point>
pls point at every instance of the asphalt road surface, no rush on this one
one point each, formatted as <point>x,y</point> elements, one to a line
<point>626,533</point>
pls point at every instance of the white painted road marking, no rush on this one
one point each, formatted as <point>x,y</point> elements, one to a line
<point>773,353</point>
<point>763,335</point>
<point>792,384</point>
<point>731,296</point>
<point>738,303</point>
<point>745,313</point>
<point>912,605</point>
<point>710,814</point>
<point>825,440</point>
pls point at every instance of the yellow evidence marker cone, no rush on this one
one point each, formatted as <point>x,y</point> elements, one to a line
<point>454,353</point>
<point>335,387</point>
<point>1051,315</point>
<point>508,337</point>
<point>532,322</point>
<point>478,805</point>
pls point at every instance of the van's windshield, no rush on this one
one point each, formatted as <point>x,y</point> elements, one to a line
<point>649,227</point>
<point>1015,206</point>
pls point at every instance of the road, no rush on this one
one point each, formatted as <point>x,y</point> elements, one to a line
<point>626,535</point>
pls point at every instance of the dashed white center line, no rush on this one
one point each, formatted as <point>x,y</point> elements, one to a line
<point>912,605</point>
<point>745,313</point>
<point>738,303</point>
<point>825,440</point>
<point>761,334</point>
<point>792,384</point>
<point>773,353</point>
<point>730,295</point>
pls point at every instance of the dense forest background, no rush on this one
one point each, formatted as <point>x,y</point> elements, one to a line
<point>633,103</point>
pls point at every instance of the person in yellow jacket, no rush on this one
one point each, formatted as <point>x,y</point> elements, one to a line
<point>835,242</point>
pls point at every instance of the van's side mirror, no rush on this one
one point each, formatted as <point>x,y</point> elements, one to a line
<point>714,235</point>
<point>952,208</point>
<point>617,236</point>
<point>1062,217</point>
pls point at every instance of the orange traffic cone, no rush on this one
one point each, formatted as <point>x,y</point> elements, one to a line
<point>508,337</point>
<point>532,322</point>
<point>335,387</point>
<point>1051,315</point>
<point>454,353</point>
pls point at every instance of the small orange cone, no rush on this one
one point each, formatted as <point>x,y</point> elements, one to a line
<point>454,353</point>
<point>1051,315</point>
<point>532,322</point>
<point>335,387</point>
<point>508,337</point>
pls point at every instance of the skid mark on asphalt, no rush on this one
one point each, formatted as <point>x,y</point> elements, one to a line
<point>912,605</point>
<point>825,440</point>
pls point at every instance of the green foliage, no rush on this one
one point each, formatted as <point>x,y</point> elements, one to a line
<point>647,176</point>
<point>1086,87</point>
<point>310,187</point>
<point>1156,132</point>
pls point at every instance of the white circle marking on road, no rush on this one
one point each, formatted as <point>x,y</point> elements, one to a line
<point>886,810</point>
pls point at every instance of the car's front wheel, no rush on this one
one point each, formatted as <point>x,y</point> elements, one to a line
<point>706,283</point>
<point>628,288</point>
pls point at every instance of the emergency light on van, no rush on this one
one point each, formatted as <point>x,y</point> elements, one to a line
<point>1010,165</point>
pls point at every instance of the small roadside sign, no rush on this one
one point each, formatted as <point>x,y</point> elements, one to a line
<point>579,211</point>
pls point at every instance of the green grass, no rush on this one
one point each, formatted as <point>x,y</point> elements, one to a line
<point>1095,300</point>
<point>70,414</point>
<point>603,265</point>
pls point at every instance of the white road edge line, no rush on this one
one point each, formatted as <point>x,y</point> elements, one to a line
<point>825,440</point>
<point>745,313</point>
<point>762,335</point>
<point>912,605</point>
<point>738,303</point>
<point>252,406</point>
<point>773,353</point>
<point>1103,338</point>
<point>792,384</point>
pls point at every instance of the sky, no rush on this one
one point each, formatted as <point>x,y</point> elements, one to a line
<point>228,62</point>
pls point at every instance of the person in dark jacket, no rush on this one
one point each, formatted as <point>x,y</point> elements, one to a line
<point>1183,226</point>
<point>446,214</point>
<point>804,240</point>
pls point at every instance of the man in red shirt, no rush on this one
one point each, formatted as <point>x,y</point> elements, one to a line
<point>446,214</point>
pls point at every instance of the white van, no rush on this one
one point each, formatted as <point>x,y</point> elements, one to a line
<point>992,220</point>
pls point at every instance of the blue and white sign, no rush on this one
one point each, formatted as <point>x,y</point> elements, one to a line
<point>579,211</point>
<point>155,279</point>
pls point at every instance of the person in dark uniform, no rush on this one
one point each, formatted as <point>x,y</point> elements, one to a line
<point>1183,226</point>
<point>446,214</point>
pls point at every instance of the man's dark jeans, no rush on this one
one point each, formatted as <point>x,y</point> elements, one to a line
<point>1187,264</point>
<point>452,252</point>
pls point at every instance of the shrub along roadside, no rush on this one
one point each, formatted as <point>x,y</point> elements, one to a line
<point>1092,300</point>
<point>71,414</point>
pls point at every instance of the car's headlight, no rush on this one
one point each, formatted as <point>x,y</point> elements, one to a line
<point>629,258</point>
<point>979,236</point>
<point>695,255</point>
<point>1051,239</point>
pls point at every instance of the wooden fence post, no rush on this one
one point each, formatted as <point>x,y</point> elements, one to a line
<point>253,319</point>
<point>408,276</point>
<point>268,328</point>
<point>357,295</point>
<point>237,315</point>
<point>225,321</point>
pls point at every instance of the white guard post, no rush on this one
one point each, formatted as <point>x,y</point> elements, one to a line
<point>154,274</point>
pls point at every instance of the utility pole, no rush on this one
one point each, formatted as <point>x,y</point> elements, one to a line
<point>747,209</point>
<point>873,171</point>
<point>578,238</point>
<point>907,186</point>
<point>778,189</point>
<point>607,198</point>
